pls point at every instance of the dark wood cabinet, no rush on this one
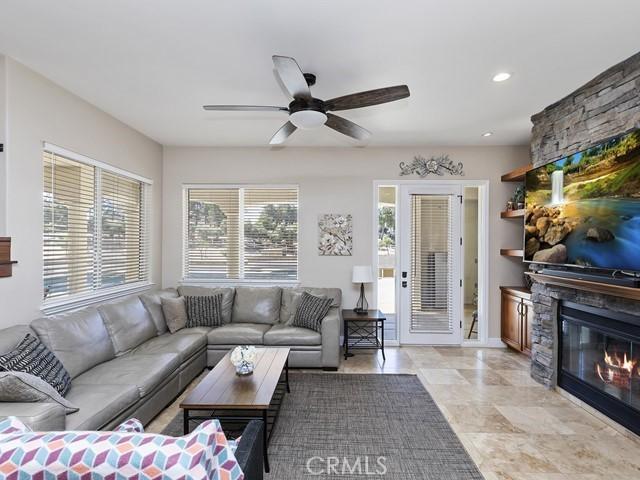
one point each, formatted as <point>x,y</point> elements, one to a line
<point>516,315</point>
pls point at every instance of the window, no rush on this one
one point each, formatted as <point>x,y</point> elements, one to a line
<point>241,233</point>
<point>96,232</point>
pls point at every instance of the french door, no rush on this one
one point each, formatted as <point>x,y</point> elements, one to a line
<point>431,263</point>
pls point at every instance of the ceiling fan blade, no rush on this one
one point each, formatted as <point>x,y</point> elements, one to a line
<point>245,108</point>
<point>368,98</point>
<point>347,127</point>
<point>292,77</point>
<point>281,135</point>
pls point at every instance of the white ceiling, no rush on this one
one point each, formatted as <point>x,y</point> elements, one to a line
<point>153,63</point>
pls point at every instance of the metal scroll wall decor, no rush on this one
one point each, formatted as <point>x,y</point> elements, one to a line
<point>431,166</point>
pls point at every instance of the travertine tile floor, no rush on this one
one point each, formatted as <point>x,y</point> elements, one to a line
<point>513,428</point>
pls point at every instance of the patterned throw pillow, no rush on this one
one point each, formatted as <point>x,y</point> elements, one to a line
<point>33,357</point>
<point>133,425</point>
<point>13,425</point>
<point>310,312</point>
<point>204,310</point>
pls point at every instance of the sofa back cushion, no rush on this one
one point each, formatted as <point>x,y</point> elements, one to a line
<point>128,323</point>
<point>10,337</point>
<point>291,297</point>
<point>152,301</point>
<point>228,294</point>
<point>257,305</point>
<point>79,339</point>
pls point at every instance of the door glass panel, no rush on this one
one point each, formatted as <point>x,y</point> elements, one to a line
<point>387,249</point>
<point>470,269</point>
<point>431,247</point>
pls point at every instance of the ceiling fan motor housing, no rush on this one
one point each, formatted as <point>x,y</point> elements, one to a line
<point>307,114</point>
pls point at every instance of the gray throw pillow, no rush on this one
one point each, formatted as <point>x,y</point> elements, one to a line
<point>32,356</point>
<point>175,313</point>
<point>204,311</point>
<point>24,387</point>
<point>310,312</point>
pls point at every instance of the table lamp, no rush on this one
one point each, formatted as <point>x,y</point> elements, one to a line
<point>362,274</point>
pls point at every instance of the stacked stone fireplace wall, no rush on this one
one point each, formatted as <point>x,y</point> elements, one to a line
<point>607,106</point>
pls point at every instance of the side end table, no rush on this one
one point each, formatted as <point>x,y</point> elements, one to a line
<point>363,331</point>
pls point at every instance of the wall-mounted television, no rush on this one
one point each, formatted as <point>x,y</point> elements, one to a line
<point>584,210</point>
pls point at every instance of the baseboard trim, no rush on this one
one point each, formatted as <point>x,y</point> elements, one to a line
<point>495,342</point>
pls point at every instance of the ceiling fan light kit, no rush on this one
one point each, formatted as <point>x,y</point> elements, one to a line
<point>307,112</point>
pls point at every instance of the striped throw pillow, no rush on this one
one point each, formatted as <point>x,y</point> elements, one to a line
<point>33,357</point>
<point>310,312</point>
<point>204,310</point>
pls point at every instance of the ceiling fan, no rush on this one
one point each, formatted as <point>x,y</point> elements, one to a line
<point>307,112</point>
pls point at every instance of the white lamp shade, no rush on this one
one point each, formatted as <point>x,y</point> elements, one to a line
<point>362,274</point>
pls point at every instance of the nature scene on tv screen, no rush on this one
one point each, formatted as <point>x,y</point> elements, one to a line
<point>585,209</point>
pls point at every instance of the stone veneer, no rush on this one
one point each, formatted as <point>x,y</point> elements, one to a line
<point>607,106</point>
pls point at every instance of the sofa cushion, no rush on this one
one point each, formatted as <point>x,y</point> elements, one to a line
<point>33,357</point>
<point>99,404</point>
<point>184,345</point>
<point>152,301</point>
<point>175,313</point>
<point>287,335</point>
<point>238,334</point>
<point>24,387</point>
<point>146,371</point>
<point>228,294</point>
<point>292,296</point>
<point>10,337</point>
<point>128,323</point>
<point>79,339</point>
<point>257,305</point>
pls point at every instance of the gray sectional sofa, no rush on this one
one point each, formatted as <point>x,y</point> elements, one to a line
<point>124,362</point>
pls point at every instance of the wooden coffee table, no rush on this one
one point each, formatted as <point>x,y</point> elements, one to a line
<point>226,396</point>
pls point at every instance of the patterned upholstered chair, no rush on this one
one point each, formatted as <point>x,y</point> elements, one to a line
<point>128,452</point>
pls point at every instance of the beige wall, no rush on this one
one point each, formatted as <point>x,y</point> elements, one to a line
<point>37,111</point>
<point>337,180</point>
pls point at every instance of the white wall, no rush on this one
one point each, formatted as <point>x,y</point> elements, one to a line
<point>3,138</point>
<point>37,111</point>
<point>337,180</point>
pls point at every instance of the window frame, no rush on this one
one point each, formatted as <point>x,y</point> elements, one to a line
<point>185,280</point>
<point>71,302</point>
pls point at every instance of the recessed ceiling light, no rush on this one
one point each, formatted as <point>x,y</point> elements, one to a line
<point>501,77</point>
<point>487,134</point>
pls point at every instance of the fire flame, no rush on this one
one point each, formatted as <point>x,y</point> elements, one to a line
<point>615,364</point>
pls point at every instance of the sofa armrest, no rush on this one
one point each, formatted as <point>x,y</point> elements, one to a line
<point>331,338</point>
<point>249,452</point>
<point>39,416</point>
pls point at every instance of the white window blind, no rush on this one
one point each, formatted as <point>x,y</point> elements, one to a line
<point>96,229</point>
<point>431,245</point>
<point>241,233</point>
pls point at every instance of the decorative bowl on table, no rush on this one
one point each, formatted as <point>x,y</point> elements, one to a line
<point>244,359</point>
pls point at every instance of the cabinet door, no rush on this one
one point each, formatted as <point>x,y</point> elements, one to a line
<point>527,322</point>
<point>511,321</point>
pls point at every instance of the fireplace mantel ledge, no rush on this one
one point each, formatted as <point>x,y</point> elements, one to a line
<point>603,288</point>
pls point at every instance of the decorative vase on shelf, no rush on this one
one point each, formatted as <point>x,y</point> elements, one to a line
<point>244,359</point>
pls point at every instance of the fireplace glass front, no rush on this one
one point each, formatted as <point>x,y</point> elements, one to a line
<point>600,360</point>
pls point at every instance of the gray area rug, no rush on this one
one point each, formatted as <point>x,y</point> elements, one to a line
<point>354,426</point>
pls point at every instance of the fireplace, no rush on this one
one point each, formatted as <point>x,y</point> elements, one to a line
<point>599,360</point>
